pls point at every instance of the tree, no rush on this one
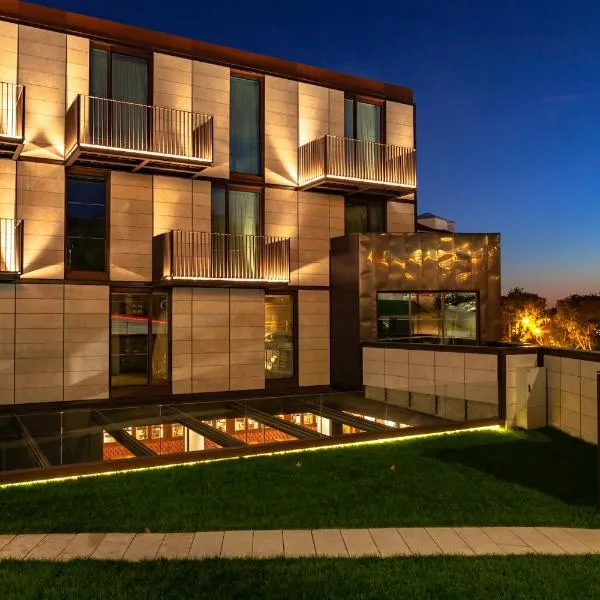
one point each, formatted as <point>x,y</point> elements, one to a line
<point>524,317</point>
<point>576,322</point>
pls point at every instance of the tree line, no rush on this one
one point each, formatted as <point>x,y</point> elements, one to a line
<point>573,323</point>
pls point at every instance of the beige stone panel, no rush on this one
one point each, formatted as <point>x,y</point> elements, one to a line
<point>336,113</point>
<point>400,217</point>
<point>313,112</point>
<point>336,216</point>
<point>42,67</point>
<point>78,67</point>
<point>173,204</point>
<point>210,96</point>
<point>313,238</point>
<point>131,198</point>
<point>40,197</point>
<point>281,220</point>
<point>172,82</point>
<point>201,206</point>
<point>399,124</point>
<point>39,364</point>
<point>313,363</point>
<point>181,336</point>
<point>281,131</point>
<point>8,188</point>
<point>9,43</point>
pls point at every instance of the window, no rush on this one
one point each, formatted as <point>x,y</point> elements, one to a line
<point>156,432</point>
<point>139,339</point>
<point>364,216</point>
<point>141,433</point>
<point>123,78</point>
<point>236,213</point>
<point>245,143</point>
<point>431,317</point>
<point>279,336</point>
<point>86,231</point>
<point>177,430</point>
<point>362,121</point>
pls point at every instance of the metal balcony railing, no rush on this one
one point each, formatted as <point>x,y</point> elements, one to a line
<point>11,247</point>
<point>150,133</point>
<point>12,110</point>
<point>330,159</point>
<point>216,256</point>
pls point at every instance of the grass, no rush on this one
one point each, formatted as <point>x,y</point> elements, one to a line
<point>473,478</point>
<point>515,577</point>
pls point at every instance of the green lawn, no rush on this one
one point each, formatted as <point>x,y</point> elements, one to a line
<point>516,577</point>
<point>472,478</point>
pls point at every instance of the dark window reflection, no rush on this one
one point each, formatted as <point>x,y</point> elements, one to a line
<point>86,224</point>
<point>431,317</point>
<point>244,126</point>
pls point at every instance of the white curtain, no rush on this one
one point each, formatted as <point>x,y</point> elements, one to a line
<point>244,226</point>
<point>130,84</point>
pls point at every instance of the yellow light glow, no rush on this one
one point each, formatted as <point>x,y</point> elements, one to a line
<point>525,321</point>
<point>537,331</point>
<point>191,159</point>
<point>342,179</point>
<point>497,428</point>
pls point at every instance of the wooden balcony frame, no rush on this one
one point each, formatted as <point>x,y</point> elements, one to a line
<point>194,256</point>
<point>336,164</point>
<point>139,138</point>
<point>11,249</point>
<point>12,120</point>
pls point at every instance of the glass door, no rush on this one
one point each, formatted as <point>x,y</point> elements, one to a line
<point>280,346</point>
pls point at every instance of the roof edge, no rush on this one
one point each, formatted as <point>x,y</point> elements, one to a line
<point>35,15</point>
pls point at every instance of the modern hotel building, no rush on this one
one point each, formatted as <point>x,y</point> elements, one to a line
<point>182,219</point>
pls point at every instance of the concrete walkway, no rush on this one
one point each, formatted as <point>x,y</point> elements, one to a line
<point>418,541</point>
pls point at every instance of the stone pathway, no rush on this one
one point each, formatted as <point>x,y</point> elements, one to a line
<point>417,541</point>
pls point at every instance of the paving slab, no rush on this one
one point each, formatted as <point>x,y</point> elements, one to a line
<point>329,542</point>
<point>83,545</point>
<point>537,540</point>
<point>206,544</point>
<point>113,546</point>
<point>51,546</point>
<point>503,536</point>
<point>237,544</point>
<point>4,539</point>
<point>21,545</point>
<point>389,542</point>
<point>449,541</point>
<point>478,540</point>
<point>419,541</point>
<point>589,537</point>
<point>508,549</point>
<point>175,546</point>
<point>144,546</point>
<point>298,543</point>
<point>267,544</point>
<point>561,537</point>
<point>359,542</point>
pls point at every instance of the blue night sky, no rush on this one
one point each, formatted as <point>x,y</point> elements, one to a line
<point>508,100</point>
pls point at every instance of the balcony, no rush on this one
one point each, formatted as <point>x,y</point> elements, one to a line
<point>202,256</point>
<point>338,164</point>
<point>136,137</point>
<point>12,119</point>
<point>11,249</point>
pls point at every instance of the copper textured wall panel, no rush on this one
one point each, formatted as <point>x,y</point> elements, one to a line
<point>430,262</point>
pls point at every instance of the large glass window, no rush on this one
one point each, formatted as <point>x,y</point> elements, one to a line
<point>236,213</point>
<point>244,126</point>
<point>139,339</point>
<point>364,217</point>
<point>279,336</point>
<point>362,121</point>
<point>431,317</point>
<point>116,76</point>
<point>86,224</point>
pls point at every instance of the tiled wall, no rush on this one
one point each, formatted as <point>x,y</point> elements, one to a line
<point>451,385</point>
<point>172,204</point>
<point>399,125</point>
<point>313,324</point>
<point>78,67</point>
<point>572,396</point>
<point>8,188</point>
<point>400,217</point>
<point>41,203</point>
<point>43,70</point>
<point>320,112</point>
<point>130,227</point>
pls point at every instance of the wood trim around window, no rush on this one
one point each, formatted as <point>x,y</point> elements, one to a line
<point>89,275</point>
<point>249,177</point>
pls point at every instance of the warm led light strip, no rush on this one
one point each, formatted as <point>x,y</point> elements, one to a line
<point>358,180</point>
<point>192,159</point>
<point>273,453</point>
<point>178,278</point>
